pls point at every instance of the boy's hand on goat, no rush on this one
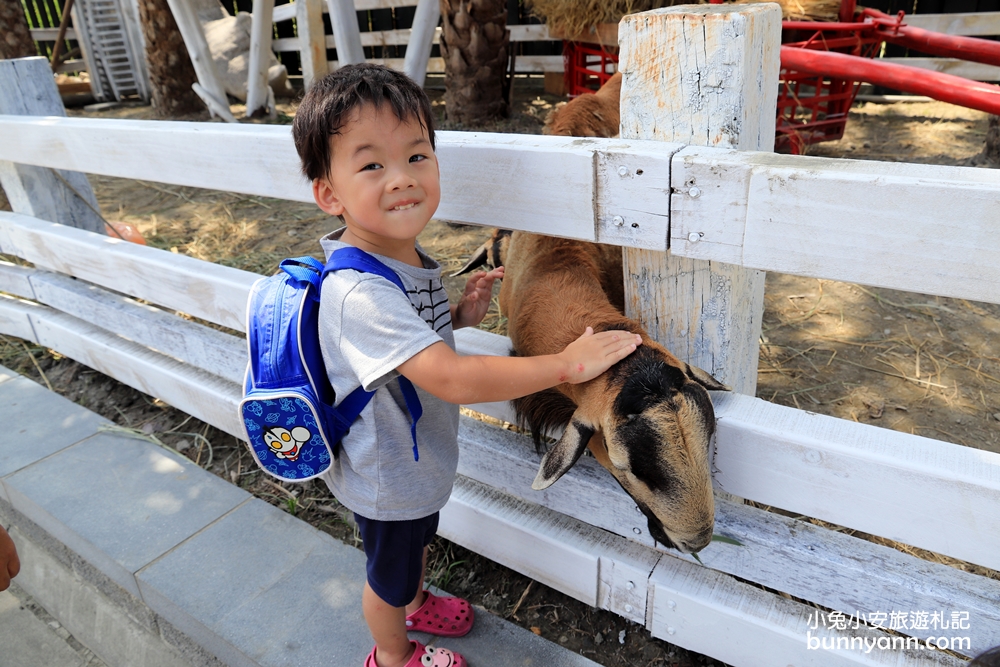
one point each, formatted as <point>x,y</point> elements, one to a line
<point>591,354</point>
<point>475,301</point>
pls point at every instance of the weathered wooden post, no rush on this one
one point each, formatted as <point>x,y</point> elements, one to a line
<point>27,88</point>
<point>418,49</point>
<point>704,75</point>
<point>346,35</point>
<point>260,97</point>
<point>312,41</point>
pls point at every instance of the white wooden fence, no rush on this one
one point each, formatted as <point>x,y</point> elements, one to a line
<point>922,228</point>
<point>518,33</point>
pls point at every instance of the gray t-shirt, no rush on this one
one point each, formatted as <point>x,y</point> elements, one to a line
<point>367,328</point>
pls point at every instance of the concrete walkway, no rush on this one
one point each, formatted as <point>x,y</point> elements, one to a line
<point>31,637</point>
<point>149,560</point>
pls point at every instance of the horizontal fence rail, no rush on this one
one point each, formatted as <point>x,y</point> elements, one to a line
<point>776,551</point>
<point>921,228</point>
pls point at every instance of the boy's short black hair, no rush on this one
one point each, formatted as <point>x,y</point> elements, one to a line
<point>331,100</point>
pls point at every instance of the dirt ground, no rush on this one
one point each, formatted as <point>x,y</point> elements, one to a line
<point>909,362</point>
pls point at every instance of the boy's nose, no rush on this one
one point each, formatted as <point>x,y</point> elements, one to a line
<point>400,179</point>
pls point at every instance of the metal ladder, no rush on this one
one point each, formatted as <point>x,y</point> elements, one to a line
<point>114,73</point>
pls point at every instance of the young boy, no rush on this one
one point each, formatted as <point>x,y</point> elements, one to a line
<point>366,139</point>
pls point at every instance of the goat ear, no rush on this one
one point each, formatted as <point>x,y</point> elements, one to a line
<point>562,455</point>
<point>704,379</point>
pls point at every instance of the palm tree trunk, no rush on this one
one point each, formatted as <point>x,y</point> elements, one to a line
<point>475,47</point>
<point>15,36</point>
<point>170,70</point>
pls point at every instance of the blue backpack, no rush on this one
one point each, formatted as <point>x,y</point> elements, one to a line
<point>288,408</point>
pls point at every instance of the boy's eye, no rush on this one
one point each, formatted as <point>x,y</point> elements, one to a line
<point>417,158</point>
<point>371,167</point>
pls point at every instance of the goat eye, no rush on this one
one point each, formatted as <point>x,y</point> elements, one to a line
<point>630,418</point>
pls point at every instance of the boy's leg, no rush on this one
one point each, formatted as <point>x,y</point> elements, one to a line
<point>397,556</point>
<point>388,627</point>
<point>418,599</point>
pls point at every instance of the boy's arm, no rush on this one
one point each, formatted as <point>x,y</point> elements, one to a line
<point>454,378</point>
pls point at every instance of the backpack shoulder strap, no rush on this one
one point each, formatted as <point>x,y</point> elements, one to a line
<point>303,269</point>
<point>355,402</point>
<point>359,260</point>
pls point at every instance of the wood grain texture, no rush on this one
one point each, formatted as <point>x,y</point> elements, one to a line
<point>931,494</point>
<point>742,625</point>
<point>206,396</point>
<point>588,564</point>
<point>15,317</point>
<point>803,216</point>
<point>208,291</point>
<point>309,26</point>
<point>633,196</point>
<point>209,350</point>
<point>28,89</point>
<point>712,70</point>
<point>14,280</point>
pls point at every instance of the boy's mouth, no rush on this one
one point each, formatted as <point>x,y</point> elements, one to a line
<point>404,207</point>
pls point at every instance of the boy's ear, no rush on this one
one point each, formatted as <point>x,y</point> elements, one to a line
<point>326,198</point>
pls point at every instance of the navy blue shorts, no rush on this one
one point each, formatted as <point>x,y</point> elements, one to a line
<point>395,551</point>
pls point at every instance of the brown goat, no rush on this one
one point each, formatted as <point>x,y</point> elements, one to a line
<point>648,420</point>
<point>588,115</point>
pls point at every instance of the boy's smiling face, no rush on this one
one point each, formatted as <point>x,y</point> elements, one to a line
<point>383,180</point>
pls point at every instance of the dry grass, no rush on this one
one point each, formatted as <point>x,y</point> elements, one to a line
<point>804,10</point>
<point>573,17</point>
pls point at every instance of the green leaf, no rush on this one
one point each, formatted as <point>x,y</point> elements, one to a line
<point>727,540</point>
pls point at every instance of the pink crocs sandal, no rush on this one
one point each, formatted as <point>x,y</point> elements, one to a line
<point>444,617</point>
<point>425,656</point>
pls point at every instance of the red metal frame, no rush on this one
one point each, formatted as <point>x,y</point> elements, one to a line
<point>823,65</point>
<point>586,67</point>
<point>813,106</point>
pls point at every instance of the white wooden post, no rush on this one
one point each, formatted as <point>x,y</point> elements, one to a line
<point>312,41</point>
<point>705,75</point>
<point>346,35</point>
<point>418,49</point>
<point>261,27</point>
<point>27,88</point>
<point>211,89</point>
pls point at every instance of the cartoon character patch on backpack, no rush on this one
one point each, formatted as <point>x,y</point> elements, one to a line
<point>288,410</point>
<point>286,444</point>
